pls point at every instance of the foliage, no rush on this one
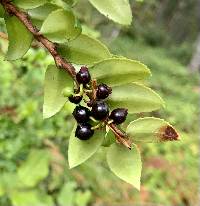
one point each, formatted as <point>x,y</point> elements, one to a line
<point>23,127</point>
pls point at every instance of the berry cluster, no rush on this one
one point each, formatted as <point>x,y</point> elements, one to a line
<point>99,108</point>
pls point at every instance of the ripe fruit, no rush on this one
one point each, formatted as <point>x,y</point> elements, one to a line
<point>103,91</point>
<point>100,110</point>
<point>75,99</point>
<point>81,114</point>
<point>83,76</point>
<point>119,115</point>
<point>84,131</point>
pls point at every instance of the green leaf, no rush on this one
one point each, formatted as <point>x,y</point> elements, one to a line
<point>126,164</point>
<point>30,198</point>
<point>19,37</point>
<point>150,129</point>
<point>29,4</point>
<point>109,139</point>
<point>117,10</point>
<point>55,81</point>
<point>84,50</point>
<point>67,194</point>
<point>135,97</point>
<point>117,71</point>
<point>80,150</point>
<point>35,168</point>
<point>40,13</point>
<point>60,26</point>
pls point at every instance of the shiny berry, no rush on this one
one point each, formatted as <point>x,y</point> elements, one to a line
<point>84,131</point>
<point>81,114</point>
<point>103,91</point>
<point>100,110</point>
<point>75,99</point>
<point>119,115</point>
<point>83,76</point>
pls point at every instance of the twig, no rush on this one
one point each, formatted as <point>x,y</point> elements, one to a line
<point>60,61</point>
<point>120,135</point>
<point>50,46</point>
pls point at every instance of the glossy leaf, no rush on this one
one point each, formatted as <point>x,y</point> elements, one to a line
<point>19,37</point>
<point>80,150</point>
<point>55,81</point>
<point>60,26</point>
<point>135,97</point>
<point>30,198</point>
<point>151,130</point>
<point>117,10</point>
<point>126,164</point>
<point>109,139</point>
<point>29,4</point>
<point>117,71</point>
<point>35,168</point>
<point>84,50</point>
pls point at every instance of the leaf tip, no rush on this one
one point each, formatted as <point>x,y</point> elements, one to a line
<point>168,133</point>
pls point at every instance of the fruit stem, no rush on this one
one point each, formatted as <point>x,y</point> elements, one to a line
<point>121,136</point>
<point>80,92</point>
<point>93,119</point>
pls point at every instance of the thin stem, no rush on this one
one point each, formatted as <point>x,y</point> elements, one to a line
<point>60,62</point>
<point>50,46</point>
<point>121,136</point>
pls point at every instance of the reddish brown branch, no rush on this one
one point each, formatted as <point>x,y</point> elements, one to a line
<point>60,61</point>
<point>50,46</point>
<point>121,136</point>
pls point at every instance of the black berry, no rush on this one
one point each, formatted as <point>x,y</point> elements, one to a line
<point>103,91</point>
<point>81,114</point>
<point>83,76</point>
<point>75,99</point>
<point>119,115</point>
<point>84,131</point>
<point>100,110</point>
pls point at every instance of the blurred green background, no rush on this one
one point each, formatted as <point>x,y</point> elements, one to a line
<point>33,152</point>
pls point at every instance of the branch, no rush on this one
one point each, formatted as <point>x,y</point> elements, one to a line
<point>50,46</point>
<point>59,61</point>
<point>120,136</point>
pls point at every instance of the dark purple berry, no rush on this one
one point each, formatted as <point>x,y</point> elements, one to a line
<point>81,114</point>
<point>119,115</point>
<point>83,76</point>
<point>103,91</point>
<point>100,110</point>
<point>84,131</point>
<point>75,99</point>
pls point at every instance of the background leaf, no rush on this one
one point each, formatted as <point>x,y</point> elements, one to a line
<point>30,198</point>
<point>19,37</point>
<point>60,26</point>
<point>135,97</point>
<point>117,71</point>
<point>35,168</point>
<point>55,81</point>
<point>67,194</point>
<point>117,10</point>
<point>29,4</point>
<point>150,129</point>
<point>84,50</point>
<point>79,151</point>
<point>126,164</point>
